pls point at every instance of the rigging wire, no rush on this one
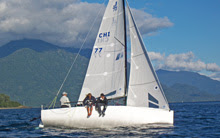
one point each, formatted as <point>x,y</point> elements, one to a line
<point>54,100</point>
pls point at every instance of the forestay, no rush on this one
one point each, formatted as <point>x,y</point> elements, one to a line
<point>106,71</point>
<point>144,87</point>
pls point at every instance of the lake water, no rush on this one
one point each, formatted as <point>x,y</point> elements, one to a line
<point>191,120</point>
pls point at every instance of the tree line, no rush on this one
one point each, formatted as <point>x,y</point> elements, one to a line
<point>6,102</point>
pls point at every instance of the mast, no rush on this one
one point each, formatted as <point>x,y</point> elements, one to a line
<point>125,49</point>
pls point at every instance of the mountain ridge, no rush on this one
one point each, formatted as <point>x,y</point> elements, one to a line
<point>34,76</point>
<point>202,82</point>
<point>38,46</point>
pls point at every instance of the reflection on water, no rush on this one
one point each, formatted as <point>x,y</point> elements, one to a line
<point>134,131</point>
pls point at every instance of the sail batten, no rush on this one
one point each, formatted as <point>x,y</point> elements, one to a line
<point>142,83</point>
<point>105,73</point>
<point>119,14</point>
<point>138,55</point>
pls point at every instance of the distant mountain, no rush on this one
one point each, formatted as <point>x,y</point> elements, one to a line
<point>35,77</point>
<point>203,83</point>
<point>187,93</point>
<point>31,72</point>
<point>38,46</point>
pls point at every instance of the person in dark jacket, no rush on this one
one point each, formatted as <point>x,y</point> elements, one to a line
<point>102,101</point>
<point>89,101</point>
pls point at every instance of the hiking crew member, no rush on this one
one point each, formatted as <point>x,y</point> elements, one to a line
<point>102,101</point>
<point>64,101</point>
<point>89,101</point>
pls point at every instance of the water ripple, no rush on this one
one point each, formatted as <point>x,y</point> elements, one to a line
<point>190,120</point>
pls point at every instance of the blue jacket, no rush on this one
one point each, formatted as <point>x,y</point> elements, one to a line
<point>88,101</point>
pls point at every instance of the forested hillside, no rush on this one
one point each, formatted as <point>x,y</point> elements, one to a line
<point>35,77</point>
<point>6,102</point>
<point>33,74</point>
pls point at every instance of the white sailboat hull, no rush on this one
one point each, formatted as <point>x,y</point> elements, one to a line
<point>76,117</point>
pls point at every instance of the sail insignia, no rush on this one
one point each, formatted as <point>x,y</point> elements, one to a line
<point>115,7</point>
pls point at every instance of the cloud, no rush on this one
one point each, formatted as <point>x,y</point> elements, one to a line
<point>215,76</point>
<point>64,23</point>
<point>212,67</point>
<point>184,61</point>
<point>2,6</point>
<point>156,56</point>
<point>148,24</point>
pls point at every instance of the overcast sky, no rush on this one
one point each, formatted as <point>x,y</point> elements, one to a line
<point>179,35</point>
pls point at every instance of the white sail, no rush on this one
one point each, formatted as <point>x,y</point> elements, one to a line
<point>144,87</point>
<point>106,69</point>
<point>106,74</point>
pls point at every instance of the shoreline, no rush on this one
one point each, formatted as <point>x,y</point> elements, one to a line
<point>27,107</point>
<point>19,107</point>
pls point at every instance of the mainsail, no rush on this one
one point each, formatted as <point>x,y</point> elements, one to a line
<point>106,69</point>
<point>144,87</point>
<point>106,74</point>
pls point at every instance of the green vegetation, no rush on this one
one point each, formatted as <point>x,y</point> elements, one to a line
<point>6,102</point>
<point>34,78</point>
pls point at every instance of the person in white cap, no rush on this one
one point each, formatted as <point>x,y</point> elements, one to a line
<point>64,101</point>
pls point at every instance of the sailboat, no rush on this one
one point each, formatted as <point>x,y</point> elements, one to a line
<point>145,101</point>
